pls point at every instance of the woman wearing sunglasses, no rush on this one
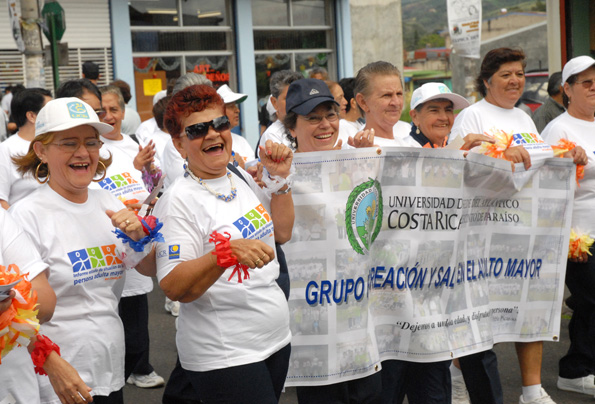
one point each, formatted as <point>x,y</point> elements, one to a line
<point>72,228</point>
<point>219,257</point>
<point>577,125</point>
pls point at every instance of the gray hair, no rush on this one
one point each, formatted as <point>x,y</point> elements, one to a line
<point>281,79</point>
<point>190,79</point>
<point>112,89</point>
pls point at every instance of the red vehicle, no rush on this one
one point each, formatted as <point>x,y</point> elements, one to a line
<point>535,92</point>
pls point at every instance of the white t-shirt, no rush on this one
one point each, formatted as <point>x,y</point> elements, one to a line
<point>241,146</point>
<point>172,163</point>
<point>276,133</point>
<point>580,132</point>
<point>77,244</point>
<point>3,125</point>
<point>6,100</point>
<point>13,186</point>
<point>401,130</point>
<point>16,371</point>
<point>348,128</point>
<point>125,182</point>
<point>483,117</point>
<point>160,139</point>
<point>232,323</point>
<point>131,121</point>
<point>145,130</point>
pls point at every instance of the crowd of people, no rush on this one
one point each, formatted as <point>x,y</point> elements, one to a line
<point>78,182</point>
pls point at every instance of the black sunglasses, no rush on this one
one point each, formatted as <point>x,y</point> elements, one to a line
<point>201,129</point>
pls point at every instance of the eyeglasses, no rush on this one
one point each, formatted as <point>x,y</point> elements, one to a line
<point>100,113</point>
<point>316,119</point>
<point>71,145</point>
<point>201,129</point>
<point>587,84</point>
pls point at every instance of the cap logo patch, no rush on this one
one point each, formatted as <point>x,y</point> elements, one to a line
<point>77,110</point>
<point>314,91</point>
<point>443,89</point>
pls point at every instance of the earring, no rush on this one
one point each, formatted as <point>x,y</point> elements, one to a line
<point>417,130</point>
<point>47,178</point>
<point>104,172</point>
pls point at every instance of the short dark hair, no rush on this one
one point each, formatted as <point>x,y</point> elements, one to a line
<point>159,110</point>
<point>492,62</point>
<point>348,84</point>
<point>76,87</point>
<point>90,70</point>
<point>554,83</point>
<point>124,89</point>
<point>30,99</point>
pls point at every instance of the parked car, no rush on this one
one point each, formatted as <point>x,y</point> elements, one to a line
<point>535,92</point>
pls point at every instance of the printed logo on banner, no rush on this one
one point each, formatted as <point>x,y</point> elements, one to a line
<point>363,215</point>
<point>117,181</point>
<point>96,262</point>
<point>252,225</point>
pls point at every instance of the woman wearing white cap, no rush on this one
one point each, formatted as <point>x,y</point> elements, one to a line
<point>232,111</point>
<point>72,228</point>
<point>577,125</point>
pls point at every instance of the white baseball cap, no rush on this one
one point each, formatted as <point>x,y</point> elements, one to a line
<point>229,96</point>
<point>66,113</point>
<point>160,95</point>
<point>431,91</point>
<point>576,65</point>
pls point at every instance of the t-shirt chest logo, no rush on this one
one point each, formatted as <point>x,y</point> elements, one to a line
<point>254,223</point>
<point>117,181</point>
<point>96,262</point>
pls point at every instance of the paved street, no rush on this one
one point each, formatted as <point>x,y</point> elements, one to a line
<point>163,355</point>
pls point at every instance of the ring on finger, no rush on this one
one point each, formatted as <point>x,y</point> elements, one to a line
<point>257,261</point>
<point>262,258</point>
<point>127,222</point>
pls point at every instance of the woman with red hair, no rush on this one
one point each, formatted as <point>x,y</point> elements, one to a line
<point>219,261</point>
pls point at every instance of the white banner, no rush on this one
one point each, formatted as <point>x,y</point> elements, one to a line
<point>464,26</point>
<point>421,255</point>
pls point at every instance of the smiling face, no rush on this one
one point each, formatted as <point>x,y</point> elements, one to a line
<point>317,137</point>
<point>114,115</point>
<point>506,86</point>
<point>434,120</point>
<point>383,103</point>
<point>70,172</point>
<point>207,156</point>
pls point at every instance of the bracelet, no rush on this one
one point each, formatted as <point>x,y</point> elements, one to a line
<point>225,258</point>
<point>43,348</point>
<point>151,226</point>
<point>285,191</point>
<point>274,183</point>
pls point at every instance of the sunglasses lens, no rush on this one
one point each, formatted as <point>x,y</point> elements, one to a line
<point>197,130</point>
<point>221,123</point>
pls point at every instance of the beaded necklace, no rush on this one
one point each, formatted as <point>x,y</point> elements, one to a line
<point>225,198</point>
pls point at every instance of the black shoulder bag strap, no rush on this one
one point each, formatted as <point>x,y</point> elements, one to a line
<point>283,279</point>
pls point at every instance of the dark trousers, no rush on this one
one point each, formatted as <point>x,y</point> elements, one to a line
<point>480,372</point>
<point>134,312</point>
<point>359,391</point>
<point>580,359</point>
<point>178,389</point>
<point>422,383</point>
<point>116,397</point>
<point>254,383</point>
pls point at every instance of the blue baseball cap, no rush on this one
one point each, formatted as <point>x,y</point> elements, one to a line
<point>303,96</point>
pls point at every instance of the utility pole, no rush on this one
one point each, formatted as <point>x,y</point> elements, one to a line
<point>35,73</point>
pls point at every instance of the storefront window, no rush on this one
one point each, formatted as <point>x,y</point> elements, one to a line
<point>306,43</point>
<point>173,37</point>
